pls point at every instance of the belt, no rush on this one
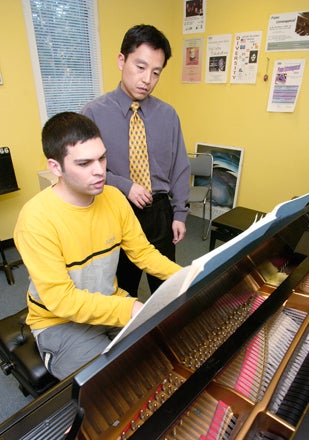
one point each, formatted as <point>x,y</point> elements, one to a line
<point>159,196</point>
<point>156,198</point>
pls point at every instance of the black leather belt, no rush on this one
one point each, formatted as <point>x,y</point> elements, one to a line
<point>159,196</point>
<point>155,198</point>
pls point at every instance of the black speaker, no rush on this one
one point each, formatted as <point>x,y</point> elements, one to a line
<point>8,182</point>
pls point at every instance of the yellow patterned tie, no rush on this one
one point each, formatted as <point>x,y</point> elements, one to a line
<point>138,155</point>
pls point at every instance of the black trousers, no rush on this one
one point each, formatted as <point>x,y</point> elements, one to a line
<point>156,221</point>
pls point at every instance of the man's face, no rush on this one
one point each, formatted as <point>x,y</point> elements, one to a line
<point>141,71</point>
<point>83,173</point>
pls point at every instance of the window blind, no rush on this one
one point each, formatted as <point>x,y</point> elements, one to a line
<point>67,48</point>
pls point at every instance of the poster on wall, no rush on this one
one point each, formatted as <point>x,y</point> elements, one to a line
<point>192,60</point>
<point>288,32</point>
<point>226,177</point>
<point>245,57</point>
<point>285,85</point>
<point>194,16</point>
<point>218,54</point>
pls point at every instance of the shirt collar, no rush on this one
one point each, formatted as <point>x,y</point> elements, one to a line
<point>125,101</point>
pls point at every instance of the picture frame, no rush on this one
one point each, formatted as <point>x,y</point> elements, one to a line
<point>226,176</point>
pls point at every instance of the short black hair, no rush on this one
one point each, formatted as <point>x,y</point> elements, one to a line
<point>145,34</point>
<point>66,129</point>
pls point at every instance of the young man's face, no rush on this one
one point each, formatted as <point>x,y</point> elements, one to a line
<point>83,173</point>
<point>141,71</point>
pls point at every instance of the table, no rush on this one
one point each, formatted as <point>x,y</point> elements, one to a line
<point>232,223</point>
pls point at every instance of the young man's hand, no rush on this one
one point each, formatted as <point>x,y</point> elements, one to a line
<point>136,307</point>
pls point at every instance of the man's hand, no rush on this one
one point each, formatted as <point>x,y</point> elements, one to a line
<point>179,231</point>
<point>139,196</point>
<point>136,307</point>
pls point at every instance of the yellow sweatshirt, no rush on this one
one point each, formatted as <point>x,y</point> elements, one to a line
<point>71,254</point>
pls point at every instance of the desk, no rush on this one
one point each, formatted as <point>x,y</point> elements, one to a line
<point>7,267</point>
<point>232,223</point>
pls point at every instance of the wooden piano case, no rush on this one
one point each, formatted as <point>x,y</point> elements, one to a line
<point>213,363</point>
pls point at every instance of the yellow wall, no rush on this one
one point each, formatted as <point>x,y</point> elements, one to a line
<point>115,21</point>
<point>276,145</point>
<point>276,156</point>
<point>19,116</point>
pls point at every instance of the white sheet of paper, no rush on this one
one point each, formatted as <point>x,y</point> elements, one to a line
<point>166,293</point>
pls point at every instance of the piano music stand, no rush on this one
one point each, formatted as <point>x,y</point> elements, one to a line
<point>7,267</point>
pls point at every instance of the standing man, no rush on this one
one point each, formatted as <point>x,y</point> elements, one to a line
<point>69,237</point>
<point>160,205</point>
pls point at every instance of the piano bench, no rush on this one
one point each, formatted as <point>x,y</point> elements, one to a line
<point>20,357</point>
<point>231,223</point>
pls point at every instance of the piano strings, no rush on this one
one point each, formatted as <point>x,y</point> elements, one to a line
<point>251,371</point>
<point>198,340</point>
<point>292,393</point>
<point>143,385</point>
<point>249,374</point>
<point>204,413</point>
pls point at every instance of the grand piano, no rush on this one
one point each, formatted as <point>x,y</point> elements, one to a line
<point>226,359</point>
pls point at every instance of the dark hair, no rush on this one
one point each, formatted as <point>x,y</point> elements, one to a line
<point>66,129</point>
<point>145,34</point>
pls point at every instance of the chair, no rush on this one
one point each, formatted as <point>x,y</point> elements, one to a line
<point>7,267</point>
<point>201,189</point>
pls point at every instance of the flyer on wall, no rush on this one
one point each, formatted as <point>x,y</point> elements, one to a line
<point>285,85</point>
<point>288,32</point>
<point>192,60</point>
<point>245,57</point>
<point>194,16</point>
<point>218,54</point>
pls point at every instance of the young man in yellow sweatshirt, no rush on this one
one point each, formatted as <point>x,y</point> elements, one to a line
<point>69,236</point>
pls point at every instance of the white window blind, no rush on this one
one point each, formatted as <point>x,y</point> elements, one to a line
<point>64,44</point>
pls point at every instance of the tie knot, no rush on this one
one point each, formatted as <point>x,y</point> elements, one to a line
<point>135,106</point>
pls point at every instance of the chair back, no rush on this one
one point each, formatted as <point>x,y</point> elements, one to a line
<point>201,185</point>
<point>201,164</point>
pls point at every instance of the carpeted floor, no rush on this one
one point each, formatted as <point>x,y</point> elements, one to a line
<point>13,299</point>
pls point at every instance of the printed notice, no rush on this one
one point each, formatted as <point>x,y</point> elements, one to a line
<point>218,53</point>
<point>288,32</point>
<point>285,86</point>
<point>192,60</point>
<point>194,16</point>
<point>245,57</point>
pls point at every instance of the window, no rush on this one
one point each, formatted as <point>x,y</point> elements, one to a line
<point>64,45</point>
